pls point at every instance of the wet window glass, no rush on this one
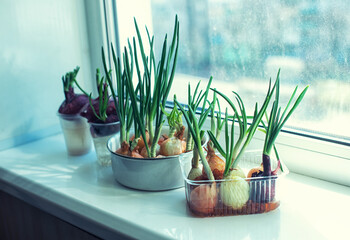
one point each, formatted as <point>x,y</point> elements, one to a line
<point>242,43</point>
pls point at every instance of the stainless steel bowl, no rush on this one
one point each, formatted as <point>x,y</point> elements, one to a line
<point>149,174</point>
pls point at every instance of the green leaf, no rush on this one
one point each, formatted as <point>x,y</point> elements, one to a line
<point>216,143</point>
<point>133,99</point>
<point>93,109</point>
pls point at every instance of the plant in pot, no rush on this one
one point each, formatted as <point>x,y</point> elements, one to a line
<point>75,128</point>
<point>237,188</point>
<point>147,160</point>
<point>102,118</point>
<point>265,190</point>
<point>193,103</point>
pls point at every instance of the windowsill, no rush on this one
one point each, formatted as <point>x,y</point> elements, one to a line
<point>76,190</point>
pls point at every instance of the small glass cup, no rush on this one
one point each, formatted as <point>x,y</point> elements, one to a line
<point>100,133</point>
<point>76,134</point>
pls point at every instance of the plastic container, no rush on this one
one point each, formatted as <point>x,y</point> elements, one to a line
<point>207,198</point>
<point>100,133</point>
<point>76,134</point>
<point>148,174</point>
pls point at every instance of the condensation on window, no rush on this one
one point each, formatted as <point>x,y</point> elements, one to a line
<point>242,43</point>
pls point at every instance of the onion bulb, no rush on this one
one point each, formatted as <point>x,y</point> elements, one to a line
<point>141,142</point>
<point>217,165</point>
<point>124,149</point>
<point>172,146</point>
<point>162,139</point>
<point>144,153</point>
<point>255,172</point>
<point>203,198</point>
<point>135,154</point>
<point>237,172</point>
<point>234,192</point>
<point>194,173</point>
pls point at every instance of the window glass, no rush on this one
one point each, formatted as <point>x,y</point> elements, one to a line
<point>242,43</point>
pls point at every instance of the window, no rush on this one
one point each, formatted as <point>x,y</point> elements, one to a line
<point>244,43</point>
<point>240,43</point>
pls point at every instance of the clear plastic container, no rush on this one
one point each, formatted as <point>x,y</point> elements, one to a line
<point>100,133</point>
<point>76,134</point>
<point>239,196</point>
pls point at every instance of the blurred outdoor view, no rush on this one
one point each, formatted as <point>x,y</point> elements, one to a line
<point>242,43</point>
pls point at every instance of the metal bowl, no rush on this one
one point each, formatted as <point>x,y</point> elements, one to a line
<point>149,174</point>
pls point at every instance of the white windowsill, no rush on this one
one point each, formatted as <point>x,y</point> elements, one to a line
<point>78,191</point>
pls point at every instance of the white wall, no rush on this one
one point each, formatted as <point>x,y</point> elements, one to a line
<point>40,40</point>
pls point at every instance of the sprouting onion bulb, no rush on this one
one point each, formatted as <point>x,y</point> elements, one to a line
<point>124,149</point>
<point>255,172</point>
<point>151,96</point>
<point>203,198</point>
<point>172,146</point>
<point>196,134</point>
<point>235,149</point>
<point>143,152</point>
<point>139,142</point>
<point>73,103</point>
<point>174,120</point>
<point>195,171</point>
<point>276,122</point>
<point>217,165</point>
<point>234,191</point>
<point>175,144</point>
<point>140,106</point>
